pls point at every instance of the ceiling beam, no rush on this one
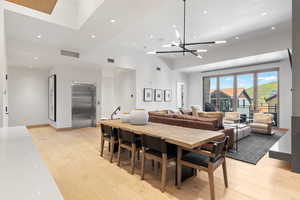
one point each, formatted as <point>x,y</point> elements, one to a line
<point>45,6</point>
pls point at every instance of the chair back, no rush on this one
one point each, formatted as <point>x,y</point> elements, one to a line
<point>108,131</point>
<point>263,118</point>
<point>219,149</point>
<point>232,116</point>
<point>126,136</point>
<point>154,143</point>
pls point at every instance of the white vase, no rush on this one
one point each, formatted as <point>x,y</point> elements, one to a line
<point>125,117</point>
<point>139,117</point>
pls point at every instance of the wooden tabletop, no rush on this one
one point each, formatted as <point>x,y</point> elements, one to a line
<point>185,137</point>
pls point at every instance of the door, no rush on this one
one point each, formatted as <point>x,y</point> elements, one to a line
<point>83,105</point>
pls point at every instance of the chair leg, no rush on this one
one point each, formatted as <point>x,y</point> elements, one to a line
<point>109,147</point>
<point>138,154</point>
<point>225,173</point>
<point>211,184</point>
<point>112,143</point>
<point>143,164</point>
<point>153,164</point>
<point>164,171</point>
<point>102,147</point>
<point>133,153</point>
<point>179,167</point>
<point>176,173</point>
<point>119,154</point>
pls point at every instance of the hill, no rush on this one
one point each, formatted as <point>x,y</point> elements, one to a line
<point>264,91</point>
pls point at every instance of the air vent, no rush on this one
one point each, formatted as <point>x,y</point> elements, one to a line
<point>70,54</point>
<point>110,60</point>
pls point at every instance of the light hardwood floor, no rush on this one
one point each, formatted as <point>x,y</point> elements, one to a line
<point>73,159</point>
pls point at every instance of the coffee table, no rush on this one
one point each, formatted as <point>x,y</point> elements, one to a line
<point>241,131</point>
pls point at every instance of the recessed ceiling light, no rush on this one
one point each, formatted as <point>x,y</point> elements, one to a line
<point>201,50</point>
<point>35,58</point>
<point>112,21</point>
<point>264,14</point>
<point>151,36</point>
<point>93,36</point>
<point>237,37</point>
<point>220,42</point>
<point>205,12</point>
<point>39,36</point>
<point>151,52</point>
<point>273,28</point>
<point>200,57</point>
<point>174,26</point>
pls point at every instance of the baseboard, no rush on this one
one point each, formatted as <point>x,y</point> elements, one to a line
<point>283,129</point>
<point>38,126</point>
<point>63,129</point>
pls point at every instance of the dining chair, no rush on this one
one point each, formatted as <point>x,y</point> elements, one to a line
<point>131,142</point>
<point>110,135</point>
<point>154,148</point>
<point>206,161</point>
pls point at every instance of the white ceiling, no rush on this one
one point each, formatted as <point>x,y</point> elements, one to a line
<point>142,25</point>
<point>250,60</point>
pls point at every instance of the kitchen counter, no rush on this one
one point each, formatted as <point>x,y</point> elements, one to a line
<point>23,174</point>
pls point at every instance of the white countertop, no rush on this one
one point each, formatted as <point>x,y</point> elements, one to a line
<point>23,174</point>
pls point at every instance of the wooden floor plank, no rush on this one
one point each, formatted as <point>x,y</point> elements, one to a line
<point>73,159</point>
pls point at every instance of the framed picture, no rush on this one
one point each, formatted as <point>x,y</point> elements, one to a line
<point>52,98</point>
<point>158,95</point>
<point>148,94</point>
<point>168,95</point>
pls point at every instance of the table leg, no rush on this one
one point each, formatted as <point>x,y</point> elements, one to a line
<point>186,172</point>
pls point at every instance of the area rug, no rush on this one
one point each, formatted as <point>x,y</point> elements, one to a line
<point>254,147</point>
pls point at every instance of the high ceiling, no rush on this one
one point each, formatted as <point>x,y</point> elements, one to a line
<point>141,26</point>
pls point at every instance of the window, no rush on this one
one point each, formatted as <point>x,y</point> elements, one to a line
<point>226,94</point>
<point>245,93</point>
<point>210,92</point>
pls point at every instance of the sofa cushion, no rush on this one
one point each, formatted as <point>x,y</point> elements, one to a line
<point>176,112</point>
<point>189,117</point>
<point>259,125</point>
<point>215,115</point>
<point>263,118</point>
<point>161,114</point>
<point>186,112</point>
<point>195,110</point>
<point>232,116</point>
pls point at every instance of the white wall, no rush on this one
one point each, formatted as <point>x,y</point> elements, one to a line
<point>117,87</point>
<point>148,77</point>
<point>125,86</point>
<point>195,90</point>
<point>65,77</point>
<point>86,8</point>
<point>3,69</point>
<point>28,96</point>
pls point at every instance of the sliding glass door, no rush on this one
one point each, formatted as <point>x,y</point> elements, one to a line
<point>267,93</point>
<point>226,93</point>
<point>245,93</point>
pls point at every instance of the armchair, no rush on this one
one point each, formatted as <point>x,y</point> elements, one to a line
<point>231,118</point>
<point>262,123</point>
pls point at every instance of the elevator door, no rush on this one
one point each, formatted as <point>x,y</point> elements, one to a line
<point>83,105</point>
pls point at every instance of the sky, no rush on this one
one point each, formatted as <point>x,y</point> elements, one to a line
<point>244,80</point>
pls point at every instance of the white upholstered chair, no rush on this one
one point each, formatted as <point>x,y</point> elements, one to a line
<point>262,123</point>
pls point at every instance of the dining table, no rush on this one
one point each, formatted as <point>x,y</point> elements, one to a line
<point>187,138</point>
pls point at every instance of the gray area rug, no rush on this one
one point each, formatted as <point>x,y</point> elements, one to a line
<point>254,147</point>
